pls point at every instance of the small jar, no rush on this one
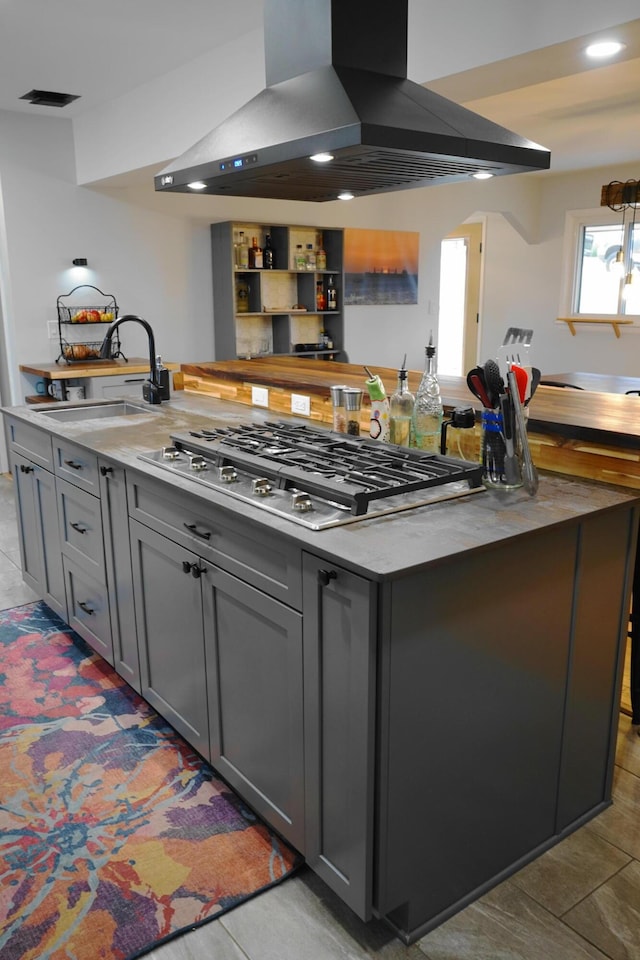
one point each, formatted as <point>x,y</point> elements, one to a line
<point>352,404</point>
<point>337,400</point>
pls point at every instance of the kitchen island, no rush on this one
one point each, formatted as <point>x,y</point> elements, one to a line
<point>421,703</point>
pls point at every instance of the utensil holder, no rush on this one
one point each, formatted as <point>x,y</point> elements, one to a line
<point>494,453</point>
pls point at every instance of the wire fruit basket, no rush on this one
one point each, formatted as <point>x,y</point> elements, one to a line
<point>73,347</point>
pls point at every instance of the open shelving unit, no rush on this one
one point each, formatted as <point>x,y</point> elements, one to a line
<point>282,315</point>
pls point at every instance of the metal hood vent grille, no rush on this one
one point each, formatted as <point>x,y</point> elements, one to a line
<point>342,88</point>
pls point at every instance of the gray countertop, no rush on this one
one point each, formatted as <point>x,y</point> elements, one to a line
<point>383,547</point>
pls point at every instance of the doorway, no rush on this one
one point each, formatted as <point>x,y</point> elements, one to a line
<point>459,312</point>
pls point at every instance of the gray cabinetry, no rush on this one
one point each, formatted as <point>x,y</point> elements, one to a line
<point>255,692</point>
<point>280,311</point>
<point>340,665</point>
<point>115,529</point>
<point>38,534</point>
<point>168,604</point>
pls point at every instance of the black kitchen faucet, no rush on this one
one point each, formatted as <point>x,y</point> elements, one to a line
<point>156,388</point>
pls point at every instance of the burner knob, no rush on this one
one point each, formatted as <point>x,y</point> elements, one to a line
<point>170,453</point>
<point>197,463</point>
<point>227,474</point>
<point>301,502</point>
<point>261,487</point>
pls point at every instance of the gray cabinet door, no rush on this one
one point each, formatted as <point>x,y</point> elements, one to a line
<point>115,526</point>
<point>254,679</point>
<point>339,644</point>
<point>168,609</point>
<point>38,532</point>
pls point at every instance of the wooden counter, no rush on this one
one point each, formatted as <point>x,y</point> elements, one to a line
<point>576,432</point>
<point>93,368</point>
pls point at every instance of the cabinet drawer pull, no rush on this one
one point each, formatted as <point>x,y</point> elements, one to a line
<point>85,606</point>
<point>25,469</point>
<point>186,566</point>
<point>192,528</point>
<point>78,527</point>
<point>105,471</point>
<point>73,465</point>
<point>324,576</point>
<point>197,571</point>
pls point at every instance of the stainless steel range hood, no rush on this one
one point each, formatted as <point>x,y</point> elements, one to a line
<point>336,73</point>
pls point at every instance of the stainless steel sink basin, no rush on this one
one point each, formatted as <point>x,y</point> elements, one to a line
<point>96,411</point>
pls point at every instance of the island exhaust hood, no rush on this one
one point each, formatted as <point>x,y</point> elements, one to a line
<point>336,73</point>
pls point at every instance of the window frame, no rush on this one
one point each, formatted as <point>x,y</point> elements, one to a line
<point>576,221</point>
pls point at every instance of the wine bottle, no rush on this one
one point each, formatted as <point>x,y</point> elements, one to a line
<point>321,256</point>
<point>268,258</point>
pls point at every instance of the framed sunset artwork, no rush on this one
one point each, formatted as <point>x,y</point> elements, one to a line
<point>380,267</point>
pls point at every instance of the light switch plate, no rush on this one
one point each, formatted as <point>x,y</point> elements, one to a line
<point>259,396</point>
<point>300,404</point>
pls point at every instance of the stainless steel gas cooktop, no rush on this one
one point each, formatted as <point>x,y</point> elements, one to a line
<point>312,476</point>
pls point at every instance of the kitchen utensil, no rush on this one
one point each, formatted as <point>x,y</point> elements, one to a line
<point>512,475</point>
<point>477,385</point>
<point>529,472</point>
<point>521,379</point>
<point>494,382</point>
<point>533,385</point>
<point>517,335</point>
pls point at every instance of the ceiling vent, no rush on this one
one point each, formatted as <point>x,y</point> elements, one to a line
<point>49,98</point>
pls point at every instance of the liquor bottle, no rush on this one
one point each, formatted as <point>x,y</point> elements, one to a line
<point>299,262</point>
<point>243,252</point>
<point>321,300</point>
<point>310,257</point>
<point>379,422</point>
<point>242,295</point>
<point>268,257</point>
<point>255,255</point>
<point>427,410</point>
<point>401,410</point>
<point>332,295</point>
<point>321,256</point>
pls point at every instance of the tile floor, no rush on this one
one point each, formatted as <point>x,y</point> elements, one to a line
<point>579,901</point>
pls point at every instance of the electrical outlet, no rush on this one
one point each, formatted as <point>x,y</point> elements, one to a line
<point>259,396</point>
<point>52,329</point>
<point>300,404</point>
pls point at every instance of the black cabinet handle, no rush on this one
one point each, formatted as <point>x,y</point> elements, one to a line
<point>324,576</point>
<point>186,566</point>
<point>76,526</point>
<point>197,571</point>
<point>204,535</point>
<point>85,606</point>
<point>73,465</point>
<point>105,471</point>
<point>25,469</point>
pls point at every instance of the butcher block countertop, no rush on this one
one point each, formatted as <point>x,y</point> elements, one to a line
<point>577,432</point>
<point>93,368</point>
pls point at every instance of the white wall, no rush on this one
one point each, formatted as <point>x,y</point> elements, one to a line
<point>157,266</point>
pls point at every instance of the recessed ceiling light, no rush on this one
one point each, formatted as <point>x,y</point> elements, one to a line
<point>197,185</point>
<point>604,48</point>
<point>321,157</point>
<point>345,195</point>
<point>482,175</point>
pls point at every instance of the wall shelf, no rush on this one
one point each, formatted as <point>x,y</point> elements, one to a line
<point>616,324</point>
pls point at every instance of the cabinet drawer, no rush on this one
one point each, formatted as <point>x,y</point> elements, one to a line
<point>30,442</point>
<point>88,609</point>
<point>78,466</point>
<point>81,529</point>
<point>236,545</point>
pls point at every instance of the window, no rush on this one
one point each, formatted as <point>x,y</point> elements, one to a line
<point>607,280</point>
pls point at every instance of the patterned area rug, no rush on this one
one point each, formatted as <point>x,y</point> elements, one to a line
<point>114,835</point>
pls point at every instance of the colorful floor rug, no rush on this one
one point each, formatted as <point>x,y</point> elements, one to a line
<point>114,835</point>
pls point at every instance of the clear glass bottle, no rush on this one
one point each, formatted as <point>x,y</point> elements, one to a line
<point>243,252</point>
<point>310,257</point>
<point>427,410</point>
<point>299,261</point>
<point>401,411</point>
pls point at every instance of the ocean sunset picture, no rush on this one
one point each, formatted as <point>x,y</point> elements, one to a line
<point>380,267</point>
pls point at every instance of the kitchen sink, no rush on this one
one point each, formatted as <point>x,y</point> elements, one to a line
<point>96,411</point>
